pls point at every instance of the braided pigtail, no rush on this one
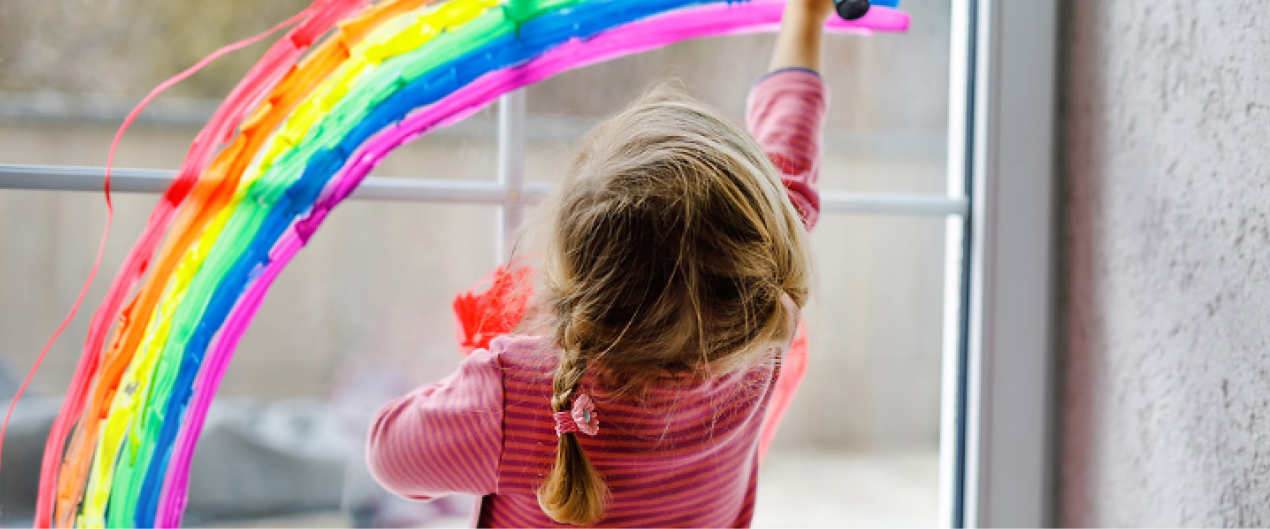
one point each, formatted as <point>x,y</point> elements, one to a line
<point>574,492</point>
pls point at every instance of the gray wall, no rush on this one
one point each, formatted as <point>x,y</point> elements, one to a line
<point>1167,383</point>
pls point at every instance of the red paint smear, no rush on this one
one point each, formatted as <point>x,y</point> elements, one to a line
<point>481,317</point>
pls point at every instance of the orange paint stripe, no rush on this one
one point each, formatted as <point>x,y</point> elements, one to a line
<point>211,194</point>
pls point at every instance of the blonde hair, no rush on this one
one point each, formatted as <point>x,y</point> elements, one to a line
<point>671,247</point>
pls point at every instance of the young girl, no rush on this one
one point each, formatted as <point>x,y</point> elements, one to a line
<point>674,275</point>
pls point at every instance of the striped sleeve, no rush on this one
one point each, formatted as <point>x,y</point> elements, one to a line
<point>785,113</point>
<point>443,438</point>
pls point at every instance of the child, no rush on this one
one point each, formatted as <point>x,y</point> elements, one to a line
<point>674,276</point>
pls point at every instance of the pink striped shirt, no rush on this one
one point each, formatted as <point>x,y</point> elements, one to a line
<point>785,113</point>
<point>686,454</point>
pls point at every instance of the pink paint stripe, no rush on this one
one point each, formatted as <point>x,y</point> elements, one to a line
<point>653,33</point>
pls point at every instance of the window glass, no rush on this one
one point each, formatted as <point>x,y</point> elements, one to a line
<point>859,445</point>
<point>887,124</point>
<point>363,313</point>
<point>351,300</point>
<point>71,71</point>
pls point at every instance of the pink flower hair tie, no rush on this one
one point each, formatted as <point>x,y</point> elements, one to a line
<point>582,418</point>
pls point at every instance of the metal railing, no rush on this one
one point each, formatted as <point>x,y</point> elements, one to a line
<point>509,191</point>
<point>446,191</point>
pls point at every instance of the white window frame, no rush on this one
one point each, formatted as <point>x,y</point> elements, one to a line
<point>997,418</point>
<point>998,441</point>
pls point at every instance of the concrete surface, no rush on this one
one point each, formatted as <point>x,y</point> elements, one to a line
<point>1167,230</point>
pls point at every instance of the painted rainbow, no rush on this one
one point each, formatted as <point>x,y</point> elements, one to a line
<point>291,141</point>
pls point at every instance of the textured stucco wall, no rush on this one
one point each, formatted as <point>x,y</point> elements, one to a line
<point>1166,407</point>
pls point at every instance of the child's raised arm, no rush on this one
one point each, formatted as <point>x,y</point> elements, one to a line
<point>799,42</point>
<point>786,109</point>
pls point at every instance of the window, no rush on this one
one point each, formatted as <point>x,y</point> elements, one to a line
<point>927,397</point>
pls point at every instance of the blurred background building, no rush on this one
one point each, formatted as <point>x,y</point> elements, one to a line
<point>366,307</point>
